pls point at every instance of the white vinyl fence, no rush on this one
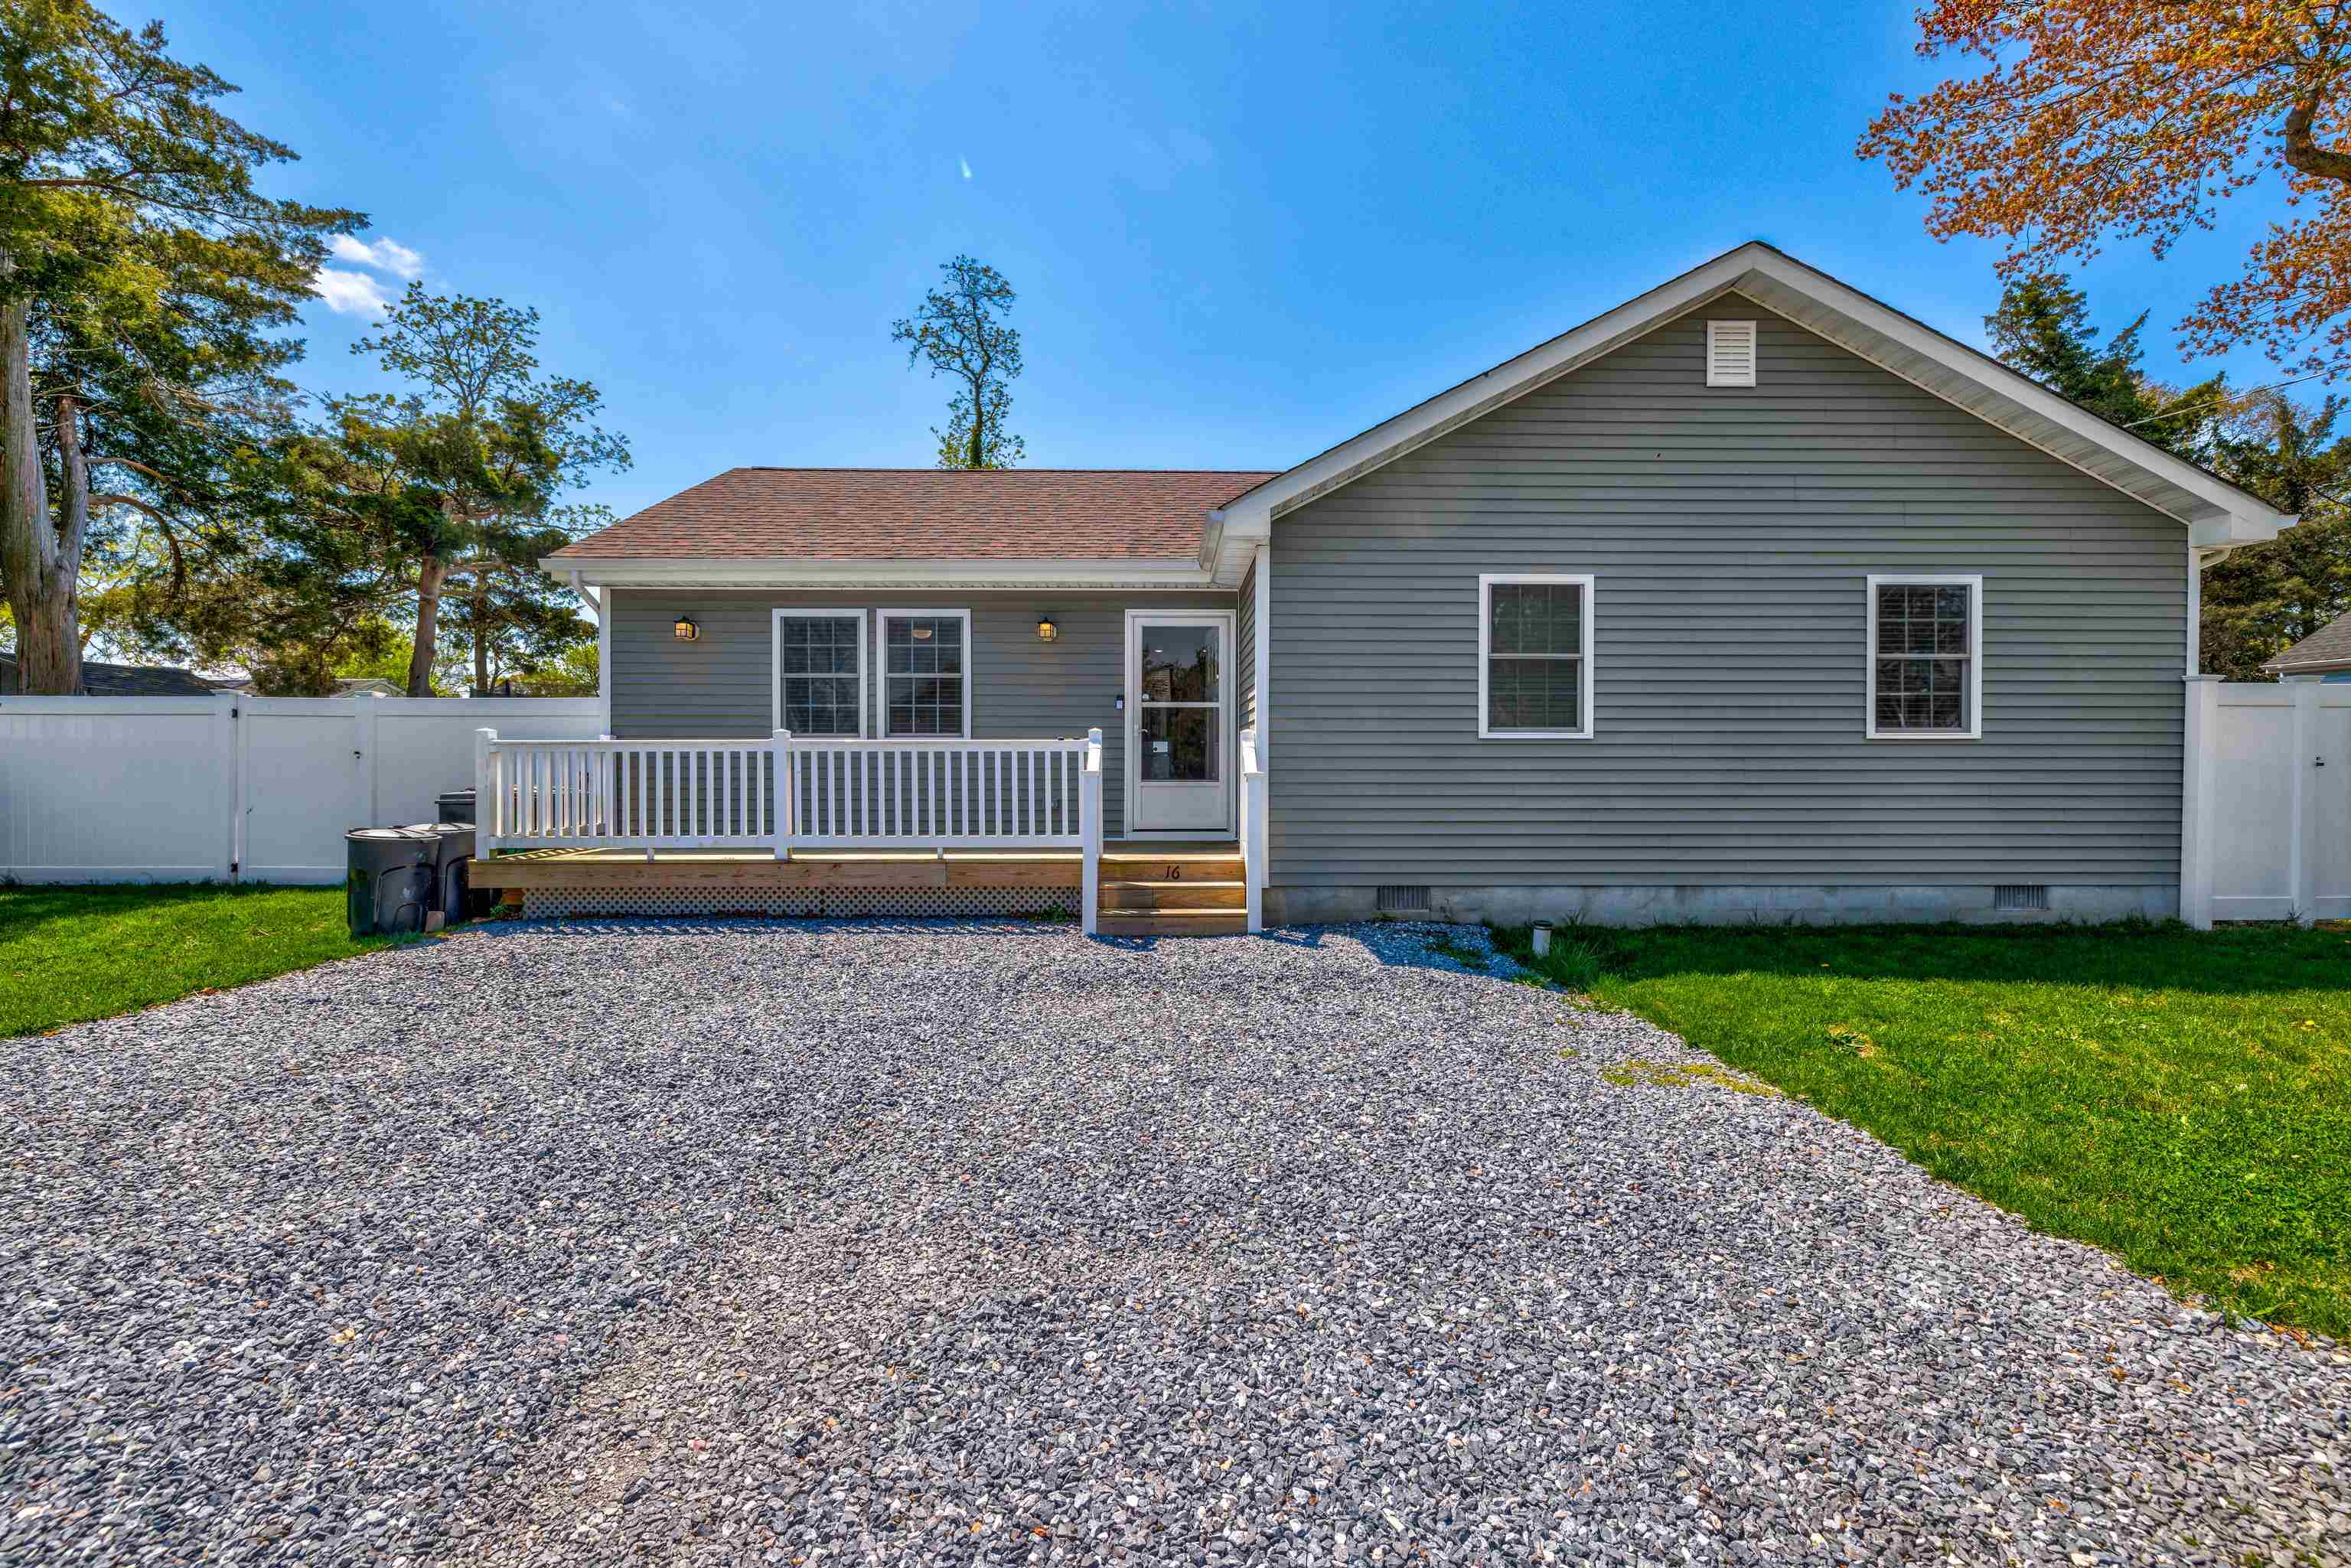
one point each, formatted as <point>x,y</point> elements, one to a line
<point>2268,810</point>
<point>233,788</point>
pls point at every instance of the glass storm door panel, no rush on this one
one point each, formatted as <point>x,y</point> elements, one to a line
<point>1179,687</point>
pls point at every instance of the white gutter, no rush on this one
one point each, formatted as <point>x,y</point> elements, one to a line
<point>784,571</point>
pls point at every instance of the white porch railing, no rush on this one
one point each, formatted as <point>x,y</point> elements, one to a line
<point>788,793</point>
<point>607,794</point>
<point>979,794</point>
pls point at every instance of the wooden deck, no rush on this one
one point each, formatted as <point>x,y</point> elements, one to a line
<point>1146,887</point>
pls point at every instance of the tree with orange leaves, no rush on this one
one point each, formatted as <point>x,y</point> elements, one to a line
<point>2136,118</point>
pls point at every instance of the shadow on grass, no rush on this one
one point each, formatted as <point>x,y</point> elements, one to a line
<point>2243,960</point>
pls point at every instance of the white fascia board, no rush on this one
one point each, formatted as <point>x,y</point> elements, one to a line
<point>719,572</point>
<point>2260,521</point>
<point>2219,512</point>
<point>1251,514</point>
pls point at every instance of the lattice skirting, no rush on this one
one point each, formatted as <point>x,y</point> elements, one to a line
<point>798,903</point>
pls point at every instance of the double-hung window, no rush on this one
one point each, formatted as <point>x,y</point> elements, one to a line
<point>1926,658</point>
<point>820,671</point>
<point>1534,657</point>
<point>925,673</point>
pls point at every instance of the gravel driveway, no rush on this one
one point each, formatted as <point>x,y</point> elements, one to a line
<point>788,1243</point>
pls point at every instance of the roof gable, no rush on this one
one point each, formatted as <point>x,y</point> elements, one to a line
<point>2215,512</point>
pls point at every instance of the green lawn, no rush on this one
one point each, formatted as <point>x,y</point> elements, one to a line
<point>2177,1098</point>
<point>68,953</point>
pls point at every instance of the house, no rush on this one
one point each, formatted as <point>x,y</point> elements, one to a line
<point>100,680</point>
<point>345,686</point>
<point>1750,599</point>
<point>2324,655</point>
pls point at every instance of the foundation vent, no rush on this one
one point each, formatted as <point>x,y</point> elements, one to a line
<point>2021,896</point>
<point>1398,898</point>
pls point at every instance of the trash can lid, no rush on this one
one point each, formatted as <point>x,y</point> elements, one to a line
<point>424,831</point>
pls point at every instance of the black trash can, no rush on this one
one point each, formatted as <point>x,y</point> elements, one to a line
<point>456,806</point>
<point>453,860</point>
<point>393,878</point>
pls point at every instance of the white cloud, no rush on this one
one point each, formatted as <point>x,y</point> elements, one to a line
<point>351,293</point>
<point>965,162</point>
<point>384,256</point>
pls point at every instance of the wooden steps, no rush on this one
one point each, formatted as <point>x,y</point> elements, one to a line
<point>1178,894</point>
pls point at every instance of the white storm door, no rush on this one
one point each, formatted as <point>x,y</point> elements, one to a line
<point>1178,730</point>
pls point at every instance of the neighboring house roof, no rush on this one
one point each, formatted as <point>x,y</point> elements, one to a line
<point>923,514</point>
<point>2324,650</point>
<point>345,686</point>
<point>99,680</point>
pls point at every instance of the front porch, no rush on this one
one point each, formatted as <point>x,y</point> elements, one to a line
<point>841,827</point>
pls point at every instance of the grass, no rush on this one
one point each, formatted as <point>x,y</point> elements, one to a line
<point>2181,1099</point>
<point>72,953</point>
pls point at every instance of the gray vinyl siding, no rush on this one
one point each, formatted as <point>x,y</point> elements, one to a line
<point>720,684</point>
<point>1730,530</point>
<point>1245,652</point>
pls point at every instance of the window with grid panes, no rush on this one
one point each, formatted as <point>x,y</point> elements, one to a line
<point>1922,667</point>
<point>817,658</point>
<point>1534,657</point>
<point>923,674</point>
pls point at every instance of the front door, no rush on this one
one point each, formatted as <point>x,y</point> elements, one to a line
<point>1178,691</point>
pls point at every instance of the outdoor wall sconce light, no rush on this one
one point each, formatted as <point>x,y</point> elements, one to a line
<point>1046,630</point>
<point>687,631</point>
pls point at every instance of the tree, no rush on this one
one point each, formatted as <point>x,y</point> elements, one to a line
<point>2265,598</point>
<point>2043,329</point>
<point>958,331</point>
<point>139,276</point>
<point>2261,597</point>
<point>457,483</point>
<point>2094,119</point>
<point>571,673</point>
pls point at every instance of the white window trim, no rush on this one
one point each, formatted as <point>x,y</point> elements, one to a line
<point>1974,585</point>
<point>881,618</point>
<point>1486,583</point>
<point>1754,353</point>
<point>783,613</point>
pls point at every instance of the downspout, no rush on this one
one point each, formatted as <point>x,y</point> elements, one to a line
<point>594,599</point>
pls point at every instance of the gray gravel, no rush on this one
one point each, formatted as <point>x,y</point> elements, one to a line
<point>980,1243</point>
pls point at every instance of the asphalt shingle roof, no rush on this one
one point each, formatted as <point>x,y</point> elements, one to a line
<point>878,514</point>
<point>123,680</point>
<point>2329,646</point>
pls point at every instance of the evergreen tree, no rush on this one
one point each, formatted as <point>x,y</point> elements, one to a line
<point>2265,598</point>
<point>141,279</point>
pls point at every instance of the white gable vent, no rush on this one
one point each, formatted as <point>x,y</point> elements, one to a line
<point>1731,353</point>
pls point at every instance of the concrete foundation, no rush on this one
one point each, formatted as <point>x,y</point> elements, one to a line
<point>1693,904</point>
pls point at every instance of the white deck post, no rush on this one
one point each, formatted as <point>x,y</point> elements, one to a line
<point>485,795</point>
<point>2301,860</point>
<point>779,768</point>
<point>1253,828</point>
<point>2197,805</point>
<point>1089,830</point>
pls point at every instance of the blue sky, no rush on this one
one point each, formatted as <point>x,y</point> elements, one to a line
<point>1238,235</point>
